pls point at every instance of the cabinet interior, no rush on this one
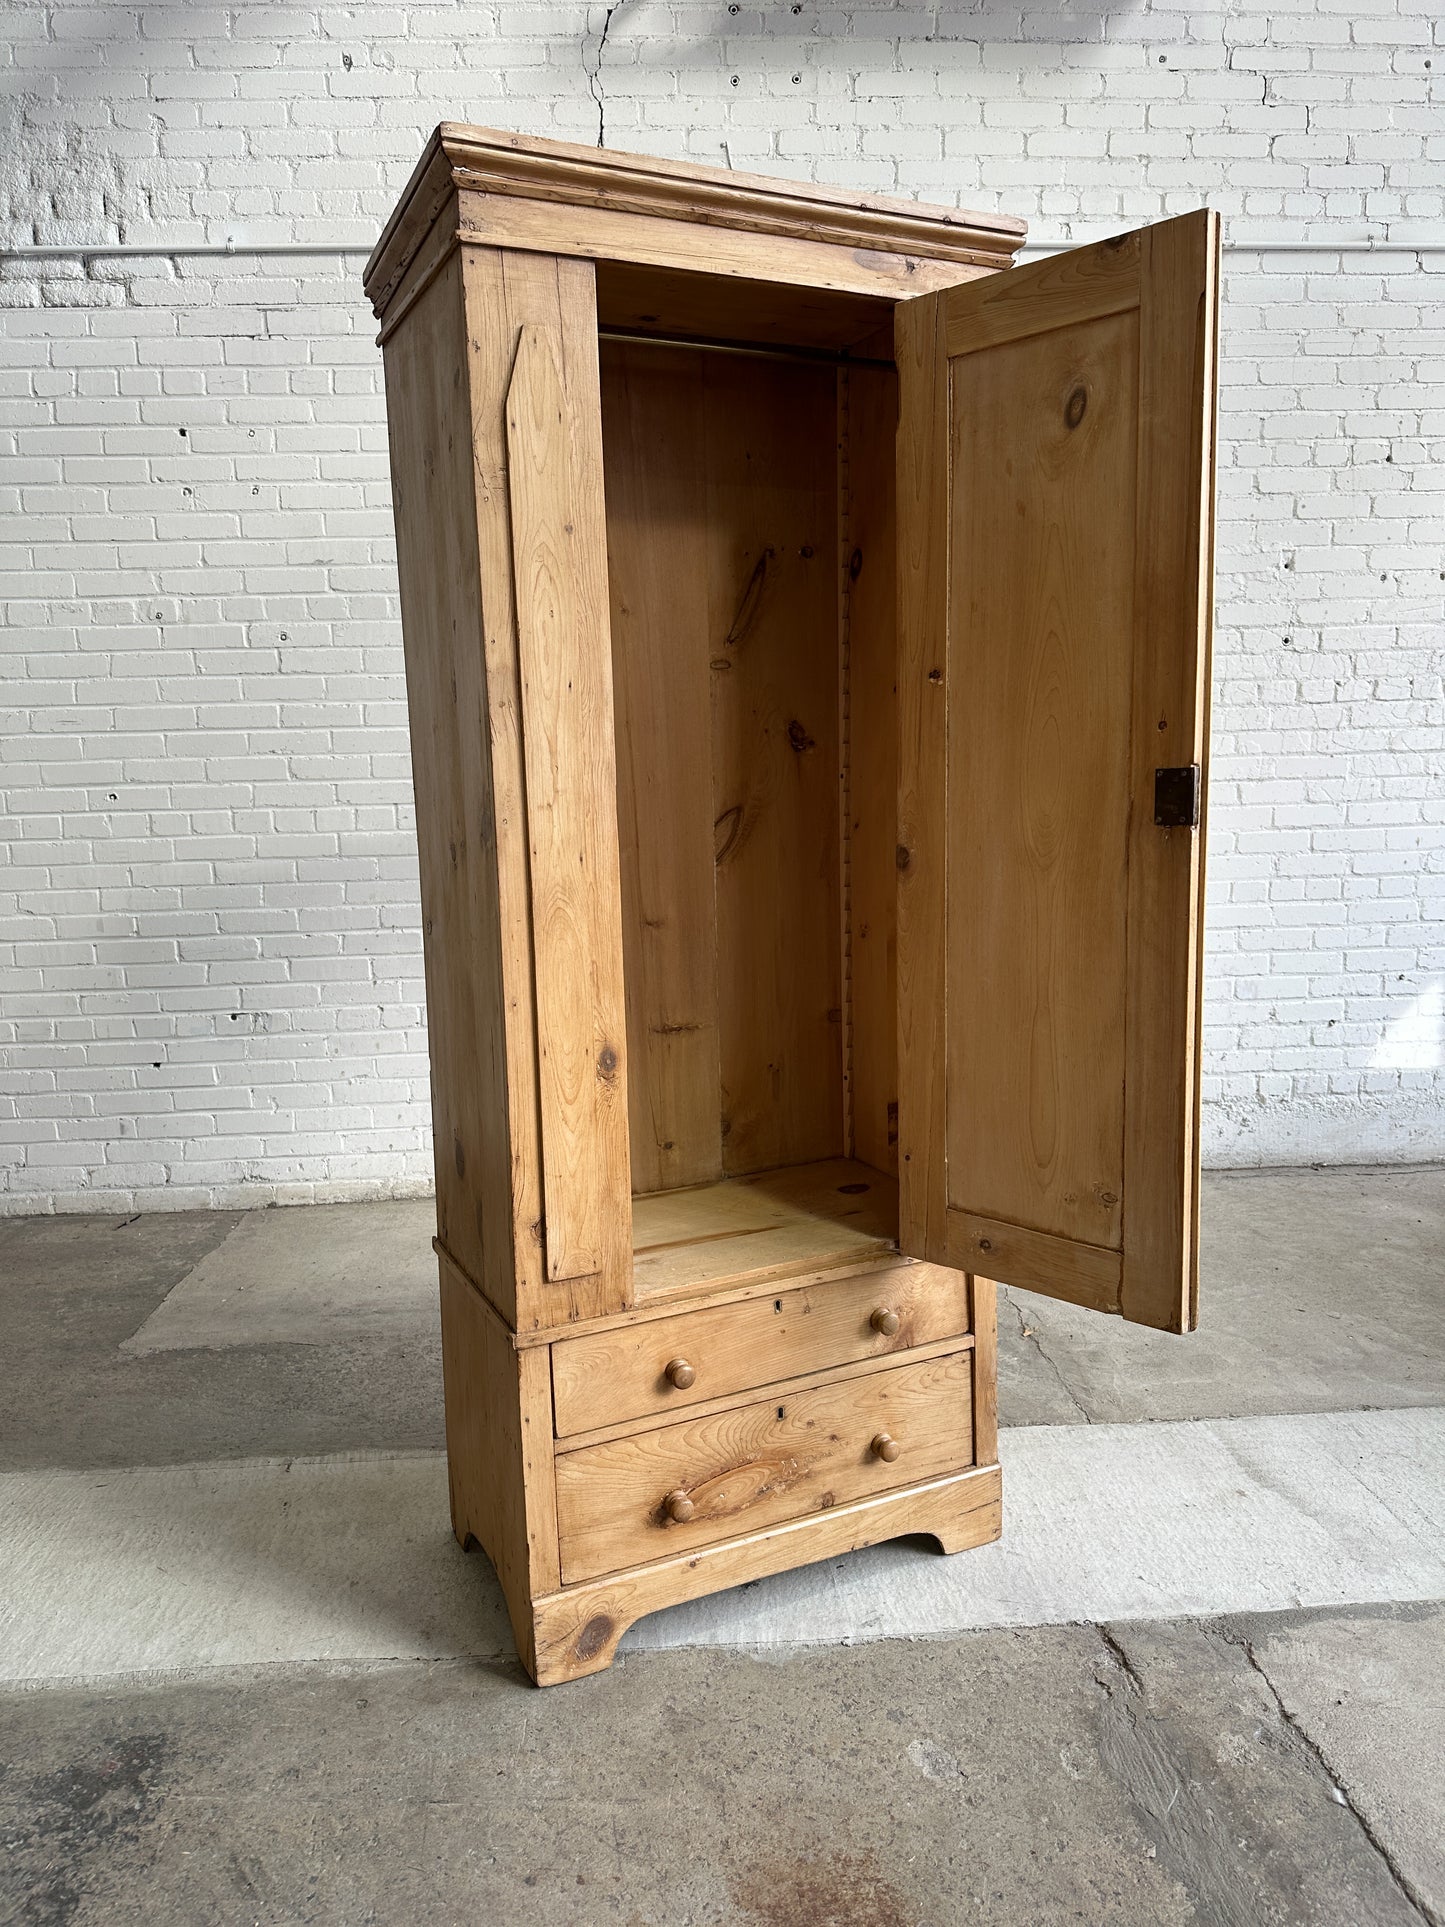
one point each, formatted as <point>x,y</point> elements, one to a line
<point>749,498</point>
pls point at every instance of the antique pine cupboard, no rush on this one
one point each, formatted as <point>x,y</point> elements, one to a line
<point>806,634</point>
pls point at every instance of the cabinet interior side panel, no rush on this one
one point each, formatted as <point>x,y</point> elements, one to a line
<point>722,549</point>
<point>870,565</point>
<point>773,641</point>
<point>656,484</point>
<point>438,568</point>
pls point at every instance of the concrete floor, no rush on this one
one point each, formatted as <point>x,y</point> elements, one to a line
<point>219,1421</point>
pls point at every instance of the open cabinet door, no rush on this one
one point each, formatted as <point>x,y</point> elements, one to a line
<point>1055,489</point>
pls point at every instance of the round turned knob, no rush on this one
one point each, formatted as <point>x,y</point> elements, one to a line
<point>681,1374</point>
<point>885,1448</point>
<point>680,1508</point>
<point>885,1320</point>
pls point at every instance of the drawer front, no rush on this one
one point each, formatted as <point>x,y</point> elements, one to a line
<point>636,1499</point>
<point>613,1376</point>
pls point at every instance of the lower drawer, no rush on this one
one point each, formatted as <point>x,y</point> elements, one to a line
<point>641,1498</point>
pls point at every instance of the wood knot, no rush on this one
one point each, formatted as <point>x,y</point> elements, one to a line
<point>903,856</point>
<point>1075,406</point>
<point>607,1062</point>
<point>726,831</point>
<point>751,598</point>
<point>855,565</point>
<point>799,737</point>
<point>935,675</point>
<point>592,1638</point>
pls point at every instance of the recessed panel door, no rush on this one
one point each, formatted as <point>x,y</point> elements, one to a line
<point>1055,532</point>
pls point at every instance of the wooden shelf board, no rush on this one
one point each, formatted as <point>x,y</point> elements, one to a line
<point>770,1223</point>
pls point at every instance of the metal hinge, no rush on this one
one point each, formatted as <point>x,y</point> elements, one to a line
<point>1176,797</point>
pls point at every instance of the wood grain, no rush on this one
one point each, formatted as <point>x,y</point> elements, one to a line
<point>722,533</point>
<point>1173,622</point>
<point>1044,433</point>
<point>655,451</point>
<point>463,921</point>
<point>499,1449</point>
<point>871,582</point>
<point>1077,481</point>
<point>756,1465</point>
<point>1064,291</point>
<point>923,981</point>
<point>983,1299</point>
<point>503,293</point>
<point>803,226</point>
<point>1082,1273</point>
<point>558,549</point>
<point>766,1225</point>
<point>672,301</point>
<point>577,1630</point>
<point>772,639</point>
<point>775,1389</point>
<point>611,1376</point>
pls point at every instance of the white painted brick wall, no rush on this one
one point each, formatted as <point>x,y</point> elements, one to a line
<point>210,970</point>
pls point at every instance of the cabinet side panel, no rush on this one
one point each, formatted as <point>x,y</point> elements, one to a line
<point>870,567</point>
<point>499,1449</point>
<point>505,293</point>
<point>657,550</point>
<point>438,568</point>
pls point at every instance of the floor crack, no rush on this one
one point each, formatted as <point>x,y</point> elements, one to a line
<point>1121,1657</point>
<point>1402,1881</point>
<point>1030,1336</point>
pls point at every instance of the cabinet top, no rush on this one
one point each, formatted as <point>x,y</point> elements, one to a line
<point>496,165</point>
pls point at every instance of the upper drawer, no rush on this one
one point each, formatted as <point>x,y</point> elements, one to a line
<point>611,1376</point>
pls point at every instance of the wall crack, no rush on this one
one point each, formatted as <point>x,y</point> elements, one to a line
<point>594,71</point>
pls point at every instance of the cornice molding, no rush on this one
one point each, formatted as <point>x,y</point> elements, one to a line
<point>516,166</point>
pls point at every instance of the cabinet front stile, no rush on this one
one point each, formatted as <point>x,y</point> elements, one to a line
<point>536,430</point>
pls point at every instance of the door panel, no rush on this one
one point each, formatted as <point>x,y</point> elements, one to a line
<point>1036,926</point>
<point>1055,479</point>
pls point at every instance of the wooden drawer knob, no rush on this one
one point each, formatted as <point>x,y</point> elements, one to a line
<point>885,1448</point>
<point>885,1320</point>
<point>681,1374</point>
<point>679,1508</point>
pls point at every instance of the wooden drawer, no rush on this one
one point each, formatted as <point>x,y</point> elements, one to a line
<point>760,1464</point>
<point>611,1376</point>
